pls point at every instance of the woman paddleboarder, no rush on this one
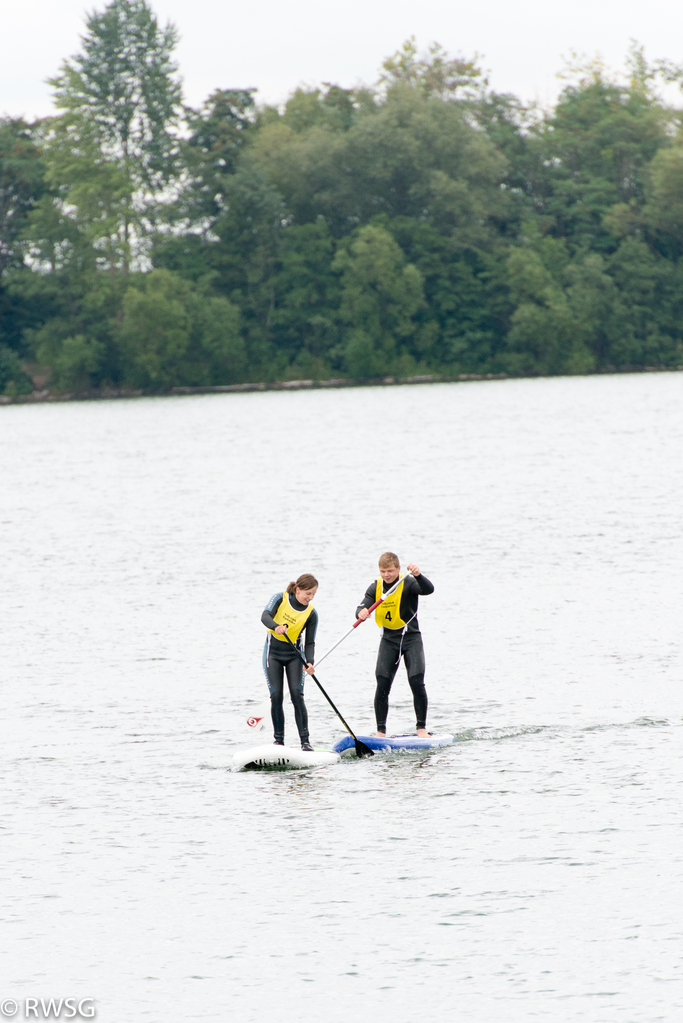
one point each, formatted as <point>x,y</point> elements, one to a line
<point>292,613</point>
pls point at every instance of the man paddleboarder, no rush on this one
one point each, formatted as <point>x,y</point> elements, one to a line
<point>401,636</point>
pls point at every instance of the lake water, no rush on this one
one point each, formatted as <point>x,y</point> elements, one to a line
<point>531,871</point>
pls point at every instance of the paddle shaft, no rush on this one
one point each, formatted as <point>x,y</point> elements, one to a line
<point>359,621</point>
<point>305,664</point>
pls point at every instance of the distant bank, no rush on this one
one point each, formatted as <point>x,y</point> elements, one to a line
<point>107,393</point>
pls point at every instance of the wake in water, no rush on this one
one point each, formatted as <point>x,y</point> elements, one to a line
<point>496,734</point>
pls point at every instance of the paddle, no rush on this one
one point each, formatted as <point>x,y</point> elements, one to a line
<point>361,749</point>
<point>359,621</point>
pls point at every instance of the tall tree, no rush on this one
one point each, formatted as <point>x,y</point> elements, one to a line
<point>21,186</point>
<point>411,155</point>
<point>172,333</point>
<point>380,296</point>
<point>218,131</point>
<point>664,210</point>
<point>113,149</point>
<point>434,73</point>
<point>592,152</point>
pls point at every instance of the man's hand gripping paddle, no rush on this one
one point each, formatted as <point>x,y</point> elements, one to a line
<point>361,749</point>
<point>359,621</point>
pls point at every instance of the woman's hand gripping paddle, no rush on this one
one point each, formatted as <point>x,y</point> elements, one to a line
<point>361,749</point>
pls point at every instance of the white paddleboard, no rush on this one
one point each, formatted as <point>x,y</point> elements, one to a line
<point>282,757</point>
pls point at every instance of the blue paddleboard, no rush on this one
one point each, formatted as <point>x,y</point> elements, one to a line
<point>408,741</point>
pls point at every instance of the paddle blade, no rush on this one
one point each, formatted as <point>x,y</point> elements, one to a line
<point>260,719</point>
<point>362,750</point>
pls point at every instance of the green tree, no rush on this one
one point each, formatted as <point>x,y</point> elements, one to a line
<point>380,297</point>
<point>329,107</point>
<point>21,188</point>
<point>77,363</point>
<point>649,309</point>
<point>304,325</point>
<point>664,209</point>
<point>434,73</point>
<point>593,298</point>
<point>13,378</point>
<point>413,155</point>
<point>237,258</point>
<point>546,335</point>
<point>592,153</point>
<point>218,131</point>
<point>113,148</point>
<point>466,318</point>
<point>70,325</point>
<point>173,334</point>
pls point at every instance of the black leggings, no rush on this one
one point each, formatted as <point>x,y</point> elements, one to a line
<point>388,659</point>
<point>417,684</point>
<point>275,668</point>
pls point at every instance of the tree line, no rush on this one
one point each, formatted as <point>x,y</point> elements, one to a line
<point>425,224</point>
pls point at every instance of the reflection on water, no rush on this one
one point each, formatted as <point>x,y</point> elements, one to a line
<point>530,871</point>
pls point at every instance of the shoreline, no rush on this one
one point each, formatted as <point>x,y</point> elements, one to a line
<point>107,394</point>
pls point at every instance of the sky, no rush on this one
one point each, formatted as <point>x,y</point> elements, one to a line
<point>274,46</point>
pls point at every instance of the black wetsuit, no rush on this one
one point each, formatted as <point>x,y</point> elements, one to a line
<point>279,658</point>
<point>397,643</point>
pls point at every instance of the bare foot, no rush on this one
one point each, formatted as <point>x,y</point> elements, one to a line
<point>380,735</point>
<point>423,733</point>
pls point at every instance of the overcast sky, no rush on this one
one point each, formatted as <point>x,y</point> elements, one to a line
<point>274,46</point>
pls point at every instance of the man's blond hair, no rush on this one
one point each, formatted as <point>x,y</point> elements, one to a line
<point>388,559</point>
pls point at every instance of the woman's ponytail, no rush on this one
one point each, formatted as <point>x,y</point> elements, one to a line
<point>304,582</point>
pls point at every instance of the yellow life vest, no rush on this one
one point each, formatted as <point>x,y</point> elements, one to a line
<point>388,614</point>
<point>294,620</point>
